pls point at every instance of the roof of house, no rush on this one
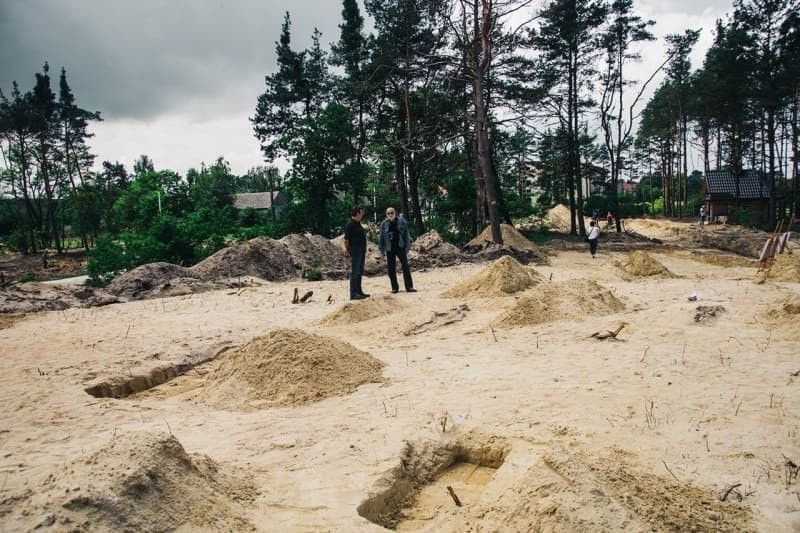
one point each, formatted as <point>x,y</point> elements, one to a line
<point>722,184</point>
<point>258,200</point>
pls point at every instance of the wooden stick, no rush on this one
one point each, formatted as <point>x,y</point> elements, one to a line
<point>453,495</point>
<point>727,492</point>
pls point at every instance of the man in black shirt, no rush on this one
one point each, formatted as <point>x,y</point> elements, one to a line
<point>393,241</point>
<point>355,245</point>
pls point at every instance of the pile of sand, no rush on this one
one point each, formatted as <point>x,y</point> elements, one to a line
<point>503,277</point>
<point>289,367</point>
<point>558,219</point>
<point>260,257</point>
<point>566,300</point>
<point>309,251</point>
<point>362,310</point>
<point>155,280</point>
<point>140,481</point>
<point>786,310</point>
<point>785,267</point>
<point>511,238</point>
<point>641,264</point>
<point>431,250</point>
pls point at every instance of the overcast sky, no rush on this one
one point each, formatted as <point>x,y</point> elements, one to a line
<point>178,79</point>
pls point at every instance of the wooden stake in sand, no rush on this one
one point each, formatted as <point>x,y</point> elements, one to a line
<point>453,495</point>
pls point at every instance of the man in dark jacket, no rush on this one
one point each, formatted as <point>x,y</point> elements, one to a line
<point>355,246</point>
<point>393,242</point>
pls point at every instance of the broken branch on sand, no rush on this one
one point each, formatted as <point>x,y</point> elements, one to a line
<point>608,334</point>
<point>729,490</point>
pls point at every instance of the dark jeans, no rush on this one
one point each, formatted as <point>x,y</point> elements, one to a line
<point>391,263</point>
<point>357,258</point>
<point>593,246</point>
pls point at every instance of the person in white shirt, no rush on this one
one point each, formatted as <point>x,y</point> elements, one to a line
<point>592,236</point>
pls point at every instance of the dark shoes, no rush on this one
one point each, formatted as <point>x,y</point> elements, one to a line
<point>359,297</point>
<point>412,289</point>
<point>394,291</point>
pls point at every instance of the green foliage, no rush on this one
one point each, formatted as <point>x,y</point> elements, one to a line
<point>313,273</point>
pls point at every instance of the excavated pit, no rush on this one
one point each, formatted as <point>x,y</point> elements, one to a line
<point>417,492</point>
<point>121,386</point>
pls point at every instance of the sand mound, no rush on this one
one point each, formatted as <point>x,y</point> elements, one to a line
<point>314,251</point>
<point>155,280</point>
<point>260,257</point>
<point>353,312</point>
<point>141,481</point>
<point>785,267</point>
<point>289,367</point>
<point>503,277</point>
<point>558,219</point>
<point>641,264</point>
<point>787,309</point>
<point>511,238</point>
<point>431,250</point>
<point>568,300</point>
<point>35,297</point>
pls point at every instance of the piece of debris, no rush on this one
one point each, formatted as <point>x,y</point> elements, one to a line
<point>296,297</point>
<point>439,319</point>
<point>608,334</point>
<point>453,495</point>
<point>306,297</point>
<point>706,312</point>
<point>330,299</point>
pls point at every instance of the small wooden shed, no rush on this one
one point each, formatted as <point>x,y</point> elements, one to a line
<point>721,188</point>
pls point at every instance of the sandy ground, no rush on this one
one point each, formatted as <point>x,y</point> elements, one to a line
<point>534,427</point>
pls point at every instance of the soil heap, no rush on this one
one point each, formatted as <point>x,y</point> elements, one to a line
<point>308,251</point>
<point>550,302</point>
<point>514,243</point>
<point>785,267</point>
<point>431,250</point>
<point>260,257</point>
<point>558,219</point>
<point>155,280</point>
<point>641,264</point>
<point>502,278</point>
<point>140,481</point>
<point>353,312</point>
<point>289,367</point>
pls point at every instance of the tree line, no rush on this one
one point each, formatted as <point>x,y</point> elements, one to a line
<point>460,112</point>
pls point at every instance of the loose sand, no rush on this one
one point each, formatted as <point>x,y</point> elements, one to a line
<point>326,416</point>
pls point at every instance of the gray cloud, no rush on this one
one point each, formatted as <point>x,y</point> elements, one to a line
<point>149,57</point>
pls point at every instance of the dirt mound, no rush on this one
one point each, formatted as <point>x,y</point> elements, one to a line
<point>641,264</point>
<point>431,250</point>
<point>37,297</point>
<point>140,481</point>
<point>155,280</point>
<point>787,309</point>
<point>289,367</point>
<point>309,251</point>
<point>723,260</point>
<point>550,302</point>
<point>511,238</point>
<point>260,257</point>
<point>7,321</point>
<point>558,219</point>
<point>353,312</point>
<point>503,277</point>
<point>785,267</point>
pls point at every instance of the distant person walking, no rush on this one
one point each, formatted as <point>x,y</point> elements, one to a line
<point>702,214</point>
<point>393,242</point>
<point>609,219</point>
<point>355,246</point>
<point>592,237</point>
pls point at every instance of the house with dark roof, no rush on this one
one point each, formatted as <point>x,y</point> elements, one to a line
<point>261,201</point>
<point>721,191</point>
